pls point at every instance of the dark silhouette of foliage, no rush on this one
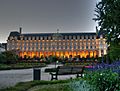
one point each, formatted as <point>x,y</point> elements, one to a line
<point>108,18</point>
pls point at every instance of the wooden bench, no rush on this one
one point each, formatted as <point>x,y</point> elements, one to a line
<point>67,70</point>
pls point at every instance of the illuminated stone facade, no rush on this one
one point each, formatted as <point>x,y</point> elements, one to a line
<point>59,44</point>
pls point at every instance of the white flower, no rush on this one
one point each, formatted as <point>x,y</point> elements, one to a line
<point>101,74</point>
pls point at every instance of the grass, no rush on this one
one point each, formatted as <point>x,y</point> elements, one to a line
<point>20,66</point>
<point>49,87</point>
<point>56,85</point>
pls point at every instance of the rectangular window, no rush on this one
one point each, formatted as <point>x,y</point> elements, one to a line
<point>69,37</point>
<point>84,37</point>
<point>74,47</point>
<point>80,37</point>
<point>93,37</point>
<point>41,38</point>
<point>90,47</point>
<point>36,48</point>
<point>49,47</point>
<point>57,47</point>
<point>82,47</point>
<point>37,38</point>
<point>86,47</point>
<point>95,47</point>
<point>41,47</point>
<point>88,37</point>
<point>32,48</point>
<point>29,38</point>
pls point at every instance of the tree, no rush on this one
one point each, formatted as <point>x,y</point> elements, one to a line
<point>108,18</point>
<point>10,57</point>
<point>2,58</point>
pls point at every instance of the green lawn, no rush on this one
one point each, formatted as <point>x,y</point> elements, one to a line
<point>57,85</point>
<point>20,66</point>
<point>49,87</point>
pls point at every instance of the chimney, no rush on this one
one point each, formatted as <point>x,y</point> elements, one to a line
<point>20,30</point>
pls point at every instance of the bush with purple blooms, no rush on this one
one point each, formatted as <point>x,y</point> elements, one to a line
<point>114,67</point>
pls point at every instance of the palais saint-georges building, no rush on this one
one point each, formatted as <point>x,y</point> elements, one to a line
<point>57,44</point>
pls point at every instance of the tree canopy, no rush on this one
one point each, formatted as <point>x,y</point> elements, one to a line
<point>108,18</point>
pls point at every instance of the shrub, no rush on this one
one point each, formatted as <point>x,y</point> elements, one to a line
<point>10,57</point>
<point>2,58</point>
<point>104,80</point>
<point>81,85</point>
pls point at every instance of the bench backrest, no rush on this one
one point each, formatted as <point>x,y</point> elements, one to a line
<point>69,69</point>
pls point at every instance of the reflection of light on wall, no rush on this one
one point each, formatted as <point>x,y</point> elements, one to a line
<point>29,54</point>
<point>53,53</point>
<point>91,53</point>
<point>37,54</point>
<point>86,54</point>
<point>25,53</point>
<point>95,53</point>
<point>74,54</point>
<point>20,54</point>
<point>33,54</point>
<point>66,54</point>
<point>57,53</point>
<point>61,54</point>
<point>70,53</point>
<point>41,54</point>
<point>45,54</point>
<point>82,54</point>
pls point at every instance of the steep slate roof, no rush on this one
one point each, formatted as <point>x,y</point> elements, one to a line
<point>15,33</point>
<point>64,34</point>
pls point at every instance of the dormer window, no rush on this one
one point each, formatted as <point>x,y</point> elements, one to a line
<point>29,38</point>
<point>15,37</point>
<point>33,38</point>
<point>11,38</point>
